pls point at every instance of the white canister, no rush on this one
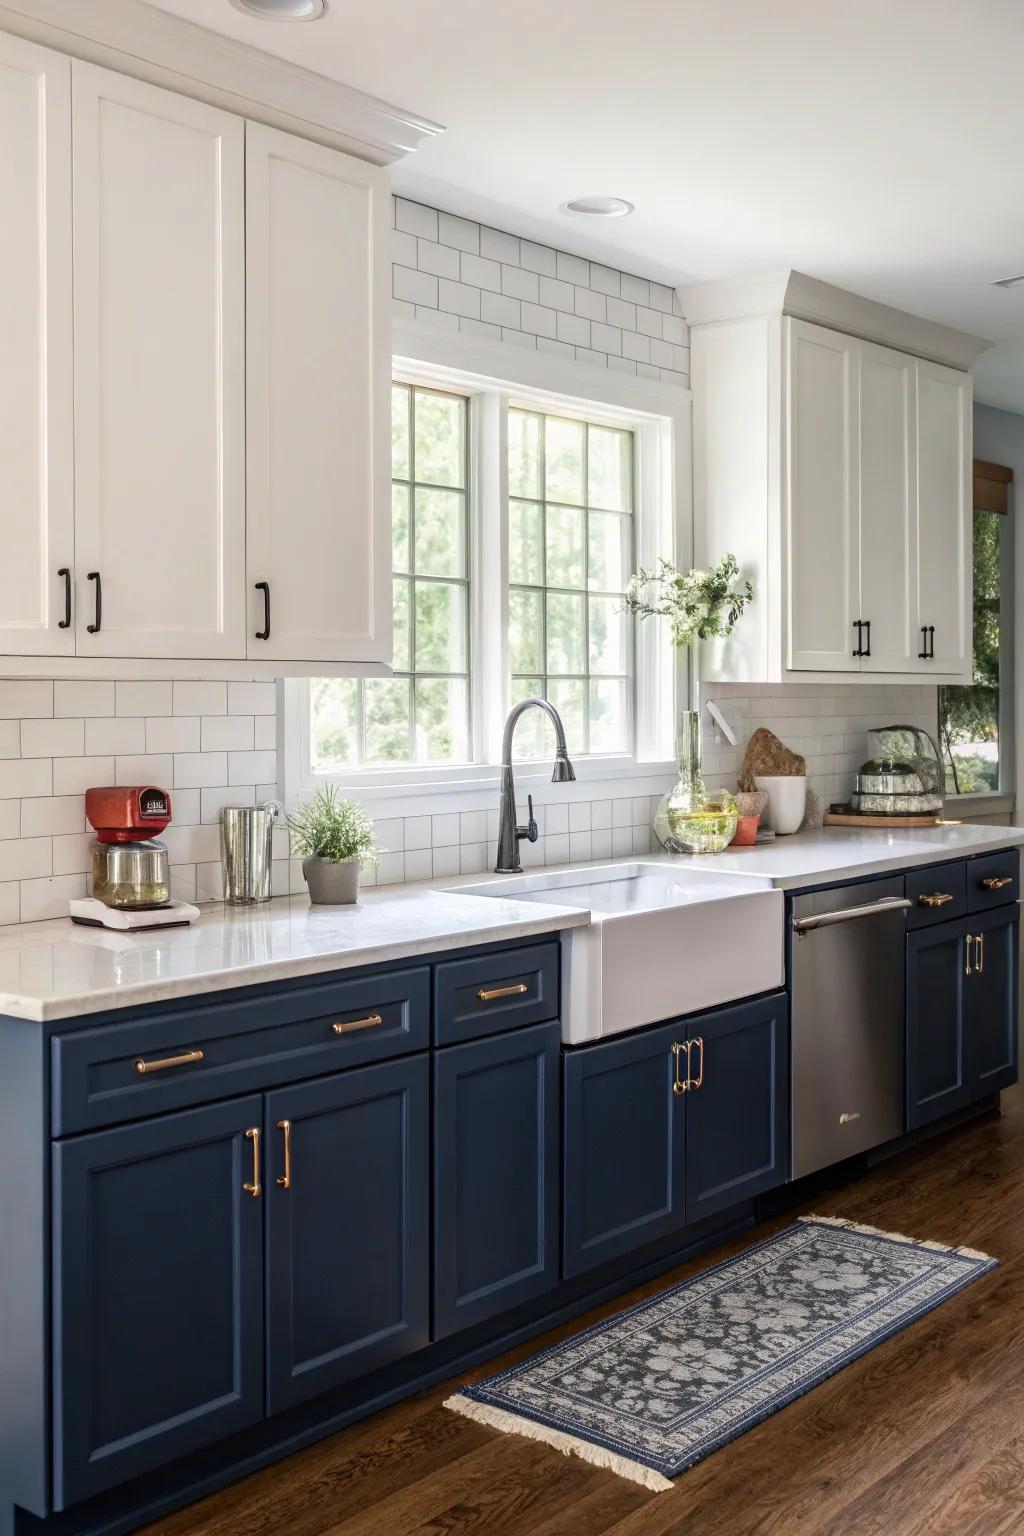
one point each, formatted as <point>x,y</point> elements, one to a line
<point>787,800</point>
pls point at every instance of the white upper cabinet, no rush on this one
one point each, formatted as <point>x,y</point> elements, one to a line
<point>837,470</point>
<point>943,598</point>
<point>159,222</point>
<point>887,439</point>
<point>822,524</point>
<point>37,455</point>
<point>318,400</point>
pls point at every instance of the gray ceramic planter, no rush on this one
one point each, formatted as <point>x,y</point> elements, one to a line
<point>332,885</point>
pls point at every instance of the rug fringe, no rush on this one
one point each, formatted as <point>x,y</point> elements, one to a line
<point>569,1445</point>
<point>898,1237</point>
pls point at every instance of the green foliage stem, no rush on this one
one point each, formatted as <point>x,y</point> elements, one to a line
<point>327,826</point>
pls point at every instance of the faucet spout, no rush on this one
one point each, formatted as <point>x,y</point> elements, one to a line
<point>510,834</point>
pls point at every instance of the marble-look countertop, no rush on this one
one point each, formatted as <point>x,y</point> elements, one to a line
<point>57,970</point>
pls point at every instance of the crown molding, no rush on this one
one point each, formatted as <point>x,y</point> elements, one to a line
<point>166,50</point>
<point>807,298</point>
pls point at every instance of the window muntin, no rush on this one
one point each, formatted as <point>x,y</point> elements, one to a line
<point>421,714</point>
<point>969,717</point>
<point>570,543</point>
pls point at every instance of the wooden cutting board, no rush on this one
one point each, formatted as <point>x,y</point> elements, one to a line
<point>855,819</point>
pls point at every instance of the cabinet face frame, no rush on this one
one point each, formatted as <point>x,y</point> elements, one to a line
<point>110,312</point>
<point>952,642</point>
<point>36,400</point>
<point>888,507</point>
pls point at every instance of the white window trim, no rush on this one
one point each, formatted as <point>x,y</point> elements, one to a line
<point>495,375</point>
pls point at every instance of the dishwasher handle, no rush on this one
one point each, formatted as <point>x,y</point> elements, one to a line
<point>804,925</point>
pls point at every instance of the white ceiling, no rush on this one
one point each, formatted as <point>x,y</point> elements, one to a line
<point>874,144</point>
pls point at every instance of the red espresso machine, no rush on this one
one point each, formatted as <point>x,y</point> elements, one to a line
<point>131,878</point>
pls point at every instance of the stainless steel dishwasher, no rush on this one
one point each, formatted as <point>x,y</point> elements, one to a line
<point>848,971</point>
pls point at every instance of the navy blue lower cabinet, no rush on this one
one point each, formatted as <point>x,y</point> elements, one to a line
<point>348,1213</point>
<point>737,1105</point>
<point>158,1293</point>
<point>496,1174</point>
<point>936,1069</point>
<point>624,1147</point>
<point>990,1001</point>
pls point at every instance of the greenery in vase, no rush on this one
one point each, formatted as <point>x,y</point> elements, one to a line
<point>327,826</point>
<point>699,605</point>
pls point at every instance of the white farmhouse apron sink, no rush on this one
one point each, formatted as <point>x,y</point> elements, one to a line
<point>662,941</point>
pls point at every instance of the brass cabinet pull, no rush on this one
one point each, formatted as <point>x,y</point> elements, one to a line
<point>679,1084</point>
<point>285,1180</point>
<point>370,1022</point>
<point>935,899</point>
<point>996,882</point>
<point>695,1082</point>
<point>184,1060</point>
<point>489,994</point>
<point>969,940</point>
<point>979,964</point>
<point>254,1189</point>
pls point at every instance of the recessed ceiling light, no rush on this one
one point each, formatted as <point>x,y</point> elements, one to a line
<point>282,10</point>
<point>600,207</point>
<point>1008,282</point>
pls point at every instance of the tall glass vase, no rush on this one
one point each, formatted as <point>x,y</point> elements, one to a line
<point>690,818</point>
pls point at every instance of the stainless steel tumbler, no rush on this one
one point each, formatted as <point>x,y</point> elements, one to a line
<point>246,851</point>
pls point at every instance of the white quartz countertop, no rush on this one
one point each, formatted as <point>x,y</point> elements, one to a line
<point>57,970</point>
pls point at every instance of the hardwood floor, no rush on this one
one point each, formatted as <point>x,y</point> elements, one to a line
<point>924,1435</point>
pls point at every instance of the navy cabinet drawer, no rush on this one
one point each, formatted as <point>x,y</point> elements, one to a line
<point>994,880</point>
<point>938,893</point>
<point>488,993</point>
<point>167,1061</point>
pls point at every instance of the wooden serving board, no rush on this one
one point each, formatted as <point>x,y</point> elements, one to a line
<point>854,819</point>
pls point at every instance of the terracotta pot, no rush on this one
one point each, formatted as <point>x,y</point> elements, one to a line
<point>746,832</point>
<point>332,885</point>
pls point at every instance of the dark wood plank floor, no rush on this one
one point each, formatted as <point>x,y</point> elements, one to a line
<point>924,1435</point>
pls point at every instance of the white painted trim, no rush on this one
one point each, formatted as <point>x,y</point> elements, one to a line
<point>806,298</point>
<point>139,40</point>
<point>126,668</point>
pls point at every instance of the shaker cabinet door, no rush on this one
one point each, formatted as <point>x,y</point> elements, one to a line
<point>158,1293</point>
<point>159,226</point>
<point>822,570</point>
<point>888,510</point>
<point>991,1001</point>
<point>944,501</point>
<point>318,403</point>
<point>624,1167</point>
<point>37,453</point>
<point>936,977</point>
<point>348,1211</point>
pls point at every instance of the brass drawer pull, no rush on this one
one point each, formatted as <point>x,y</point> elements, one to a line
<point>370,1022</point>
<point>254,1189</point>
<point>285,1180</point>
<point>186,1059</point>
<point>680,1084</point>
<point>968,941</point>
<point>996,882</point>
<point>979,963</point>
<point>489,994</point>
<point>695,1082</point>
<point>935,899</point>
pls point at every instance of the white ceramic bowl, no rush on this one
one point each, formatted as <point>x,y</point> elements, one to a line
<point>787,801</point>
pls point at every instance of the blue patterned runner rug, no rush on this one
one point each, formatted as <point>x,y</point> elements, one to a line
<point>663,1384</point>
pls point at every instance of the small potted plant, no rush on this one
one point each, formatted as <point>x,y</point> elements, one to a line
<point>334,838</point>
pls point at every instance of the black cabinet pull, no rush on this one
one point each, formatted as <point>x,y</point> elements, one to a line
<point>95,628</point>
<point>858,625</point>
<point>65,622</point>
<point>922,654</point>
<point>867,626</point>
<point>264,633</point>
<point>931,642</point>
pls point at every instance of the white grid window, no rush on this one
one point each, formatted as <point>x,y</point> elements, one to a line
<point>570,540</point>
<point>422,713</point>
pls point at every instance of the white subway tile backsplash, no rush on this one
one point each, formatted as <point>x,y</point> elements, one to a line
<point>416,219</point>
<point>540,321</point>
<point>226,733</point>
<point>558,295</point>
<point>444,831</point>
<point>556,849</point>
<point>42,899</point>
<point>555,348</point>
<point>248,699</point>
<point>202,698</point>
<point>10,817</point>
<point>19,700</point>
<point>213,799</point>
<point>144,698</point>
<point>601,843</point>
<point>10,903</point>
<point>51,738</point>
<point>580,847</point>
<point>579,816</point>
<point>605,279</point>
<point>499,309</point>
<point>403,249</point>
<point>519,284</point>
<point>419,288</point>
<point>440,260</point>
<point>417,832</point>
<point>447,860</point>
<point>481,272</point>
<point>593,306</point>
<point>472,826</point>
<point>606,338</point>
<point>72,854</point>
<point>500,247</point>
<point>661,298</point>
<point>145,768</point>
<point>418,863</point>
<point>461,233</point>
<point>636,289</point>
<point>265,733</point>
<point>248,767</point>
<point>458,298</point>
<point>10,738</point>
<point>23,857</point>
<point>117,735</point>
<point>572,269</point>
<point>391,869</point>
<point>556,818</point>
<point>390,834</point>
<point>174,733</point>
<point>573,329</point>
<point>636,347</point>
<point>74,775</point>
<point>538,258</point>
<point>473,858</point>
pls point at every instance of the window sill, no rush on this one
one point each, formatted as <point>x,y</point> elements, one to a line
<point>992,803</point>
<point>477,788</point>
